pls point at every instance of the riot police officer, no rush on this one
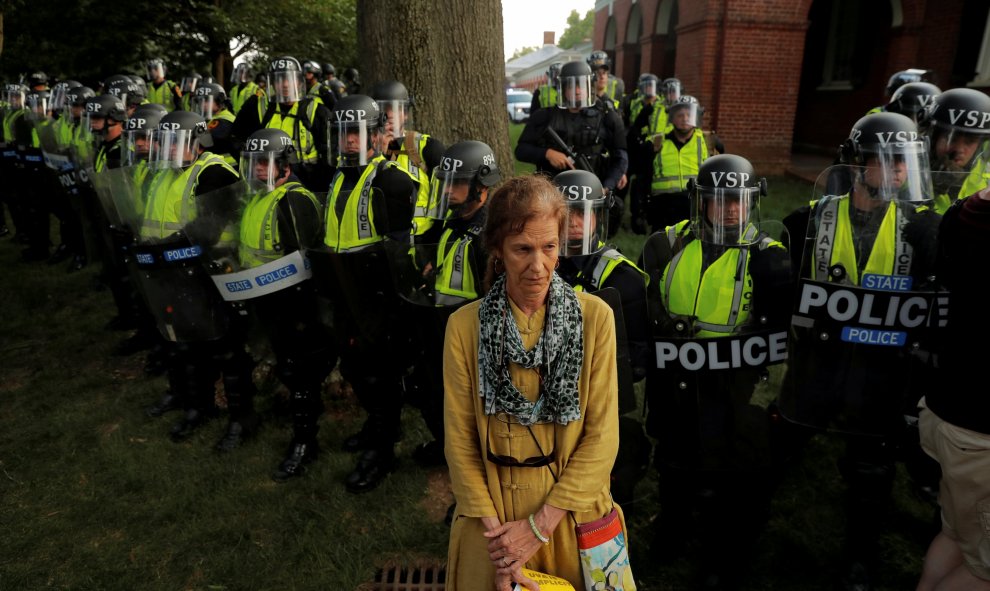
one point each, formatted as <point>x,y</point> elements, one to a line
<point>451,273</point>
<point>678,154</point>
<point>912,99</point>
<point>210,102</point>
<point>369,198</point>
<point>313,74</point>
<point>161,90</point>
<point>606,85</point>
<point>352,81</point>
<point>242,87</point>
<point>332,82</point>
<point>957,124</point>
<point>303,118</point>
<point>185,223</point>
<point>860,378</point>
<point>188,86</point>
<point>281,219</point>
<point>590,129</point>
<point>546,94</point>
<point>587,263</point>
<point>647,117</point>
<point>414,152</point>
<point>717,280</point>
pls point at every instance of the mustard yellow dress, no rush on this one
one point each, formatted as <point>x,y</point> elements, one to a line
<point>584,450</point>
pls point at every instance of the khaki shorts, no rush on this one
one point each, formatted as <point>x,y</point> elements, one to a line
<point>964,492</point>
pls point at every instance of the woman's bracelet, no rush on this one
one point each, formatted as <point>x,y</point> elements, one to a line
<point>536,531</point>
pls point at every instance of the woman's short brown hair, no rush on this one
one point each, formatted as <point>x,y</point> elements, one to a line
<point>513,205</point>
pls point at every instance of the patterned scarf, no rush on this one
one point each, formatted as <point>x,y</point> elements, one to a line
<point>558,356</point>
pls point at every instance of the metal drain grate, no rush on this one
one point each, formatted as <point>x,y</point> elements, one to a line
<point>419,576</point>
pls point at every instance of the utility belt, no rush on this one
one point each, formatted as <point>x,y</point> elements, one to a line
<point>269,278</point>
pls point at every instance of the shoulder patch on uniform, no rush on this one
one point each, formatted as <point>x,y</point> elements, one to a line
<point>212,124</point>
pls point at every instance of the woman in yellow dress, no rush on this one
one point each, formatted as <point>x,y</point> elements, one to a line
<point>530,403</point>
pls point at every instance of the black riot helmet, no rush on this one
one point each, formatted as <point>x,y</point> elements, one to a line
<point>209,99</point>
<point>725,199</point>
<point>957,125</point>
<point>394,101</point>
<point>137,92</point>
<point>688,105</point>
<point>312,67</point>
<point>352,79</point>
<point>139,130</point>
<point>156,68</point>
<point>117,86</point>
<point>60,95</point>
<point>355,126</point>
<point>890,156</point>
<point>329,70</point>
<point>13,96</point>
<point>599,59</point>
<point>106,106</point>
<point>177,140</point>
<point>903,77</point>
<point>587,208</point>
<point>37,79</point>
<point>553,72</point>
<point>648,85</point>
<point>285,80</point>
<point>266,155</point>
<point>77,97</point>
<point>912,98</point>
<point>672,90</point>
<point>37,103</point>
<point>575,86</point>
<point>465,171</point>
<point>241,74</point>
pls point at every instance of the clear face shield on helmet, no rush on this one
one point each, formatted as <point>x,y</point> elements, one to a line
<point>262,170</point>
<point>136,146</point>
<point>396,117</point>
<point>240,75</point>
<point>206,106</point>
<point>672,92</point>
<point>285,86</point>
<point>155,71</point>
<point>684,116</point>
<point>648,88</point>
<point>956,150</point>
<point>172,149</point>
<point>13,97</point>
<point>575,92</point>
<point>353,143</point>
<point>37,106</point>
<point>93,124</point>
<point>450,191</point>
<point>725,216</point>
<point>899,171</point>
<point>58,100</point>
<point>189,84</point>
<point>587,225</point>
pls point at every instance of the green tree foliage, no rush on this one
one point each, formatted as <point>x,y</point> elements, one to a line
<point>578,29</point>
<point>103,37</point>
<point>522,51</point>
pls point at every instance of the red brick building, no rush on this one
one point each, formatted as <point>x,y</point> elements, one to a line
<point>783,76</point>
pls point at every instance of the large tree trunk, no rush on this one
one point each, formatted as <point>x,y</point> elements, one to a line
<point>449,56</point>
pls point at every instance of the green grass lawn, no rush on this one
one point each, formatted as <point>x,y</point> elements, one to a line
<point>95,496</point>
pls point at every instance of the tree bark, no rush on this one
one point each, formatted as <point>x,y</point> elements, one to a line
<point>449,56</point>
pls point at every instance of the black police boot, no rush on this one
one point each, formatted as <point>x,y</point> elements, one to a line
<point>430,454</point>
<point>76,264</point>
<point>61,253</point>
<point>372,467</point>
<point>189,424</point>
<point>300,453</point>
<point>167,403</point>
<point>238,431</point>
<point>366,439</point>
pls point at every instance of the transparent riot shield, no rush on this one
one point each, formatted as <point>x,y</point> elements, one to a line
<point>273,239</point>
<point>58,154</point>
<point>357,281</point>
<point>867,308</point>
<point>708,384</point>
<point>432,281</point>
<point>181,239</point>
